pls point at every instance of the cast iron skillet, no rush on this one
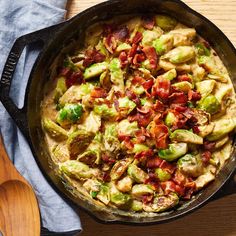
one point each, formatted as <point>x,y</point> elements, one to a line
<point>55,38</point>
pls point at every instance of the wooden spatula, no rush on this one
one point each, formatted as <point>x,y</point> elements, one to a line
<point>19,212</point>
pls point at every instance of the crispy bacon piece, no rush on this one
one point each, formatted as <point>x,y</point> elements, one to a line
<point>168,186</point>
<point>178,98</point>
<point>148,22</point>
<point>74,78</point>
<point>152,180</point>
<point>207,145</point>
<point>142,119</point>
<point>138,58</point>
<point>206,156</point>
<point>181,78</point>
<point>144,154</point>
<point>107,159</point>
<point>169,167</point>
<point>98,93</point>
<point>160,133</point>
<point>128,143</point>
<point>161,88</point>
<point>106,177</point>
<point>190,187</point>
<point>123,57</point>
<point>110,43</point>
<point>66,71</point>
<point>138,80</point>
<point>141,135</point>
<point>93,56</point>
<point>148,84</point>
<point>132,96</point>
<point>151,55</point>
<point>159,106</point>
<point>146,199</point>
<point>121,33</point>
<point>154,162</point>
<point>194,95</point>
<point>137,37</point>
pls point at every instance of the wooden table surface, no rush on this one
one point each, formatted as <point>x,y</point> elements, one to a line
<point>217,218</point>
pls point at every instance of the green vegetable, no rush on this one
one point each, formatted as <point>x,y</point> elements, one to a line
<point>123,47</point>
<point>117,75</point>
<point>90,156</point>
<point>205,87</point>
<point>149,36</point>
<point>222,128</point>
<point>104,111</point>
<point>202,50</point>
<point>75,169</point>
<point>182,135</point>
<point>95,70</point>
<point>53,129</point>
<point>163,44</point>
<point>137,174</point>
<point>60,88</point>
<point>139,190</point>
<point>69,64</point>
<point>222,92</point>
<point>92,122</point>
<point>189,33</point>
<point>180,54</point>
<point>190,165</point>
<point>174,151</point>
<point>162,174</point>
<point>127,128</point>
<point>170,75</point>
<point>70,113</point>
<point>184,86</point>
<point>170,119</point>
<point>136,205</point>
<point>125,184</point>
<point>126,105</point>
<point>165,22</point>
<point>140,148</point>
<point>104,194</point>
<point>209,104</point>
<point>118,198</point>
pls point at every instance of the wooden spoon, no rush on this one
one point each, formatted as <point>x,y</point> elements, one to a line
<point>19,212</point>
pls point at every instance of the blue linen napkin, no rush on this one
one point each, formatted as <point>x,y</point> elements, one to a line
<point>18,18</point>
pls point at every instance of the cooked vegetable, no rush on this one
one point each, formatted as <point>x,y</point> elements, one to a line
<point>149,36</point>
<point>202,50</point>
<point>137,174</point>
<point>125,184</point>
<point>54,130</point>
<point>163,44</point>
<point>105,111</point>
<point>104,194</point>
<point>119,198</point>
<point>140,190</point>
<point>182,135</point>
<point>209,104</point>
<point>140,148</point>
<point>171,74</point>
<point>117,75</point>
<point>60,88</point>
<point>184,86</point>
<point>162,174</point>
<point>95,70</point>
<point>127,128</point>
<point>170,119</point>
<point>165,22</point>
<point>136,205</point>
<point>123,47</point>
<point>126,105</point>
<point>205,87</point>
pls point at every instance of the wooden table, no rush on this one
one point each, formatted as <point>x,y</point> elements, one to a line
<point>217,218</point>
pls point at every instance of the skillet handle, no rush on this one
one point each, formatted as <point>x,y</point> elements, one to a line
<point>17,114</point>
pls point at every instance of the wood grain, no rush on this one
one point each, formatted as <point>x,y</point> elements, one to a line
<point>217,218</point>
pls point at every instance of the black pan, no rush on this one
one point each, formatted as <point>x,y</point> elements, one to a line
<point>57,37</point>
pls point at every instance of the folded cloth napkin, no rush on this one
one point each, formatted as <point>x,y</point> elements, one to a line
<point>18,18</point>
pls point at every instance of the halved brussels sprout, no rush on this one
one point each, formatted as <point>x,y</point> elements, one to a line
<point>92,122</point>
<point>163,44</point>
<point>140,190</point>
<point>222,92</point>
<point>127,128</point>
<point>125,184</point>
<point>221,142</point>
<point>138,147</point>
<point>198,73</point>
<point>123,47</point>
<point>90,156</point>
<point>92,185</point>
<point>182,135</point>
<point>174,151</point>
<point>162,174</point>
<point>119,168</point>
<point>165,22</point>
<point>184,86</point>
<point>170,119</point>
<point>104,194</point>
<point>190,33</point>
<point>78,141</point>
<point>117,75</point>
<point>205,130</point>
<point>60,88</point>
<point>136,205</point>
<point>202,50</point>
<point>180,54</point>
<point>126,105</point>
<point>104,111</point>
<point>60,153</point>
<point>190,165</point>
<point>209,104</point>
<point>54,130</point>
<point>162,203</point>
<point>75,169</point>
<point>222,128</point>
<point>137,174</point>
<point>170,75</point>
<point>95,70</point>
<point>149,36</point>
<point>205,87</point>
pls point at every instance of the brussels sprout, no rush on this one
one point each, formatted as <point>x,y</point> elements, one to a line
<point>163,44</point>
<point>217,75</point>
<point>222,92</point>
<point>68,63</point>
<point>162,174</point>
<point>139,190</point>
<point>149,36</point>
<point>92,185</point>
<point>221,142</point>
<point>165,22</point>
<point>54,130</point>
<point>174,151</point>
<point>70,113</point>
<point>189,33</point>
<point>104,111</point>
<point>202,50</point>
<point>104,194</point>
<point>180,54</point>
<point>170,119</point>
<point>117,75</point>
<point>123,47</point>
<point>170,75</point>
<point>162,203</point>
<point>78,141</point>
<point>136,205</point>
<point>182,135</point>
<point>127,128</point>
<point>100,47</point>
<point>95,70</point>
<point>190,165</point>
<point>60,88</point>
<point>205,87</point>
<point>126,105</point>
<point>119,168</point>
<point>222,128</point>
<point>125,184</point>
<point>60,153</point>
<point>92,122</point>
<point>138,89</point>
<point>184,86</point>
<point>198,73</point>
<point>209,104</point>
<point>137,174</point>
<point>75,93</point>
<point>75,169</point>
<point>90,157</point>
<point>118,198</point>
<point>206,129</point>
<point>140,148</point>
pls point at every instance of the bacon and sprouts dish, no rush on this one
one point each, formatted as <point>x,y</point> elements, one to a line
<point>142,116</point>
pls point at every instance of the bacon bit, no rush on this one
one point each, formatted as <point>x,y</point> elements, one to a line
<point>110,43</point>
<point>123,57</point>
<point>152,180</point>
<point>209,145</point>
<point>138,80</point>
<point>93,56</point>
<point>137,37</point>
<point>106,177</point>
<point>161,88</point>
<point>178,98</point>
<point>142,119</point>
<point>75,78</point>
<point>122,33</point>
<point>178,107</point>
<point>98,93</point>
<point>194,95</point>
<point>179,178</point>
<point>133,50</point>
<point>107,159</point>
<point>138,58</point>
<point>169,167</point>
<point>168,186</point>
<point>141,135</point>
<point>159,106</point>
<point>144,110</point>
<point>154,162</point>
<point>146,199</point>
<point>157,118</point>
<point>181,78</point>
<point>196,130</point>
<point>66,71</point>
<point>144,154</point>
<point>148,22</point>
<point>128,143</point>
<point>151,55</point>
<point>148,84</point>
<point>190,187</point>
<point>206,156</point>
<point>132,96</point>
<point>180,190</point>
<point>160,133</point>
